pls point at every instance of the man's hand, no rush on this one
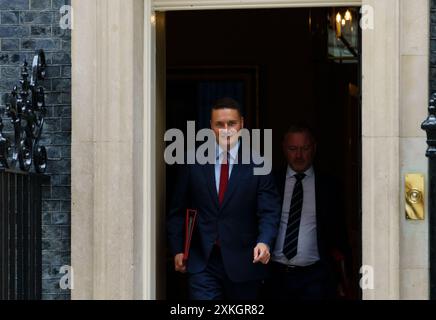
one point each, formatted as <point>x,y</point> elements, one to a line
<point>179,263</point>
<point>261,253</point>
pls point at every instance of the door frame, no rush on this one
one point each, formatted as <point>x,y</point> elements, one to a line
<point>380,129</point>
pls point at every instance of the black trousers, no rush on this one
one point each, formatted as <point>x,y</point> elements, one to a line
<point>313,282</point>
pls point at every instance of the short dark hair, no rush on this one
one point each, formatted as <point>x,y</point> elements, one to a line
<point>300,128</point>
<point>226,103</point>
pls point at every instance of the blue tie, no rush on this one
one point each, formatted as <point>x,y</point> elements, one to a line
<point>290,245</point>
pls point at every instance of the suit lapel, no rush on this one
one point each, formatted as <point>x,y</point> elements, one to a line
<point>281,179</point>
<point>319,203</point>
<point>238,170</point>
<point>233,182</point>
<point>209,172</point>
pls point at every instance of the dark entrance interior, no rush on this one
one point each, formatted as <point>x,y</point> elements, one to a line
<point>279,64</point>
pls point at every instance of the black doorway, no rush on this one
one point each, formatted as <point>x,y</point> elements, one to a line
<point>279,64</point>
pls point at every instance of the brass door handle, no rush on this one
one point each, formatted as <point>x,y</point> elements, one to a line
<point>414,194</point>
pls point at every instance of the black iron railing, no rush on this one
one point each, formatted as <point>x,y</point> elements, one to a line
<point>26,109</point>
<point>21,190</point>
<point>429,125</point>
<point>20,234</point>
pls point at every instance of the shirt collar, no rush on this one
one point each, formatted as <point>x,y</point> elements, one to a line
<point>290,172</point>
<point>233,151</point>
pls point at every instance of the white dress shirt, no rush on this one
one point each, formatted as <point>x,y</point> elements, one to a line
<point>219,159</point>
<point>307,250</point>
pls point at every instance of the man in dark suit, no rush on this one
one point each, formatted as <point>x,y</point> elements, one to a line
<point>238,217</point>
<point>311,241</point>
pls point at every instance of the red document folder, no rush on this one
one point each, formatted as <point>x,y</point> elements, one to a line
<point>191,216</point>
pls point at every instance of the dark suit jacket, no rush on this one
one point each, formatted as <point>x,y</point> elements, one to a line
<point>250,214</point>
<point>329,215</point>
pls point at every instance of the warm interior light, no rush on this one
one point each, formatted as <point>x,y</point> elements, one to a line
<point>343,22</point>
<point>348,15</point>
<point>153,19</point>
<point>338,18</point>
